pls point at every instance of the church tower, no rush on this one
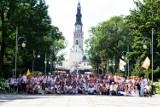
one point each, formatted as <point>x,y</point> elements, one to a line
<point>77,59</point>
<point>76,54</point>
<point>78,33</point>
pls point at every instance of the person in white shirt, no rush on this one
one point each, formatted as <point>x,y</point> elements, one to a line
<point>136,91</point>
<point>132,91</point>
<point>39,78</point>
<point>49,77</point>
<point>147,88</point>
<point>34,79</point>
<point>24,78</point>
<point>44,82</point>
<point>113,89</point>
<point>128,79</point>
<point>74,89</point>
<point>86,86</point>
<point>70,89</point>
<point>24,83</point>
<point>145,81</point>
<point>91,90</point>
<point>12,80</point>
<point>52,81</point>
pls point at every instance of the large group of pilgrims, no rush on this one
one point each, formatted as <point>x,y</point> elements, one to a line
<point>66,83</point>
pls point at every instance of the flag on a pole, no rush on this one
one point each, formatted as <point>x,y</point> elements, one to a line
<point>72,68</point>
<point>146,63</point>
<point>28,72</point>
<point>121,65</point>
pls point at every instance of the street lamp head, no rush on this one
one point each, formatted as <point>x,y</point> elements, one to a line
<point>144,46</point>
<point>123,57</point>
<point>45,62</point>
<point>38,56</point>
<point>23,44</point>
<point>123,54</point>
<point>49,62</point>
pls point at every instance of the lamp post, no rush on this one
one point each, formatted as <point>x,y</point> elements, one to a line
<point>50,63</point>
<point>45,62</point>
<point>33,60</point>
<point>151,48</point>
<point>49,59</point>
<point>113,64</point>
<point>34,56</point>
<point>152,54</point>
<point>16,48</point>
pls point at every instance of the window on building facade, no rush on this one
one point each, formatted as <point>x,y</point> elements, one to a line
<point>77,42</point>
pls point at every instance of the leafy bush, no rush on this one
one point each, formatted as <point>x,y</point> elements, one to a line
<point>2,85</point>
<point>157,85</point>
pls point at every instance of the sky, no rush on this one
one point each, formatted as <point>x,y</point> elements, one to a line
<point>62,13</point>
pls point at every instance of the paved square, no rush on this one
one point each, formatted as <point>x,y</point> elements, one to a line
<point>77,101</point>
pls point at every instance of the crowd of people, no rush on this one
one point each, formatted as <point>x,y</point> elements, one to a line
<point>64,83</point>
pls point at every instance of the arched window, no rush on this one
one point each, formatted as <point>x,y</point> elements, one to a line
<point>77,42</point>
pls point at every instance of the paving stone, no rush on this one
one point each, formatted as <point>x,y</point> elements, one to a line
<point>77,101</point>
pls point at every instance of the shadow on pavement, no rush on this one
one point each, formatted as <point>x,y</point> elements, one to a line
<point>12,97</point>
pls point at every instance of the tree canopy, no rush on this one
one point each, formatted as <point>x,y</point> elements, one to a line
<point>112,37</point>
<point>107,40</point>
<point>33,22</point>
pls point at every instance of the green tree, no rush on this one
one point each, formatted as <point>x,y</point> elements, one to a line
<point>108,40</point>
<point>144,18</point>
<point>31,18</point>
